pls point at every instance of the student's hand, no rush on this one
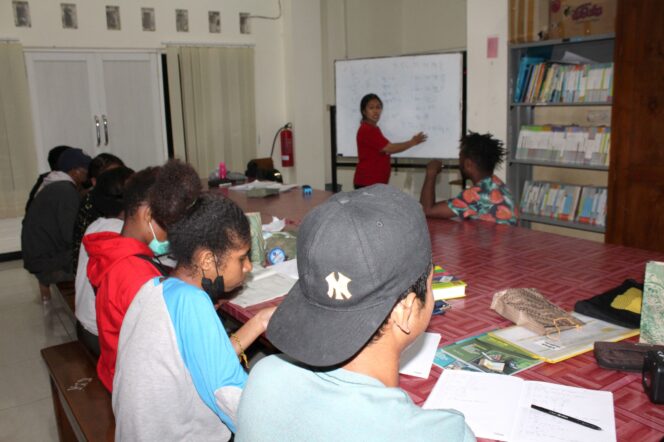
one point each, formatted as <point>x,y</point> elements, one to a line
<point>433,168</point>
<point>418,138</point>
<point>263,316</point>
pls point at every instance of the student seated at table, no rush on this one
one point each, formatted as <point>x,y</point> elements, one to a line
<point>155,198</point>
<point>87,212</point>
<point>53,157</point>
<point>46,236</point>
<point>364,295</point>
<point>106,199</point>
<point>488,200</point>
<point>178,376</point>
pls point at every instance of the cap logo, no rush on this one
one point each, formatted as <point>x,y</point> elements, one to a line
<point>337,286</point>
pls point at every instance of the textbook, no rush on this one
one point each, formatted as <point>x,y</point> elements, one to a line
<point>446,286</point>
<point>484,353</point>
<point>557,347</point>
<point>499,407</point>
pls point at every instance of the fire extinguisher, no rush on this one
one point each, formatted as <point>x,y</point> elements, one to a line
<point>286,139</point>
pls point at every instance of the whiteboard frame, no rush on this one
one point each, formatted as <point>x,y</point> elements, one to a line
<point>463,110</point>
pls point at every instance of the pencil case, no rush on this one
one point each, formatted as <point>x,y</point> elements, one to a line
<point>624,356</point>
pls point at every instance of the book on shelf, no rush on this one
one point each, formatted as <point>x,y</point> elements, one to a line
<point>565,202</point>
<point>540,81</point>
<point>499,407</point>
<point>446,286</point>
<point>557,347</point>
<point>592,206</point>
<point>575,145</point>
<point>553,200</point>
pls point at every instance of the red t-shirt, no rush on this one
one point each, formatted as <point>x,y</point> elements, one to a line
<point>373,166</point>
<point>118,275</point>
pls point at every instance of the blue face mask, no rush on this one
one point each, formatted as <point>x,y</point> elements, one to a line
<point>158,247</point>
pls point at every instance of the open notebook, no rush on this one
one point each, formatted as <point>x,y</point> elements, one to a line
<point>498,407</point>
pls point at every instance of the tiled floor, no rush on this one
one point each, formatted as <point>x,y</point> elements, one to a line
<point>27,326</point>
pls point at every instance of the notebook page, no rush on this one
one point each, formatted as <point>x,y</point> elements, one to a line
<point>592,406</point>
<point>488,401</point>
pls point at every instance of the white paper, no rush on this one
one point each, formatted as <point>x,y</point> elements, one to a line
<point>266,286</point>
<point>288,268</point>
<point>417,359</point>
<point>263,185</point>
<point>498,407</point>
<point>276,225</point>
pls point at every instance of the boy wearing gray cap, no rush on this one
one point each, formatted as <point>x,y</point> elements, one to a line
<point>364,295</point>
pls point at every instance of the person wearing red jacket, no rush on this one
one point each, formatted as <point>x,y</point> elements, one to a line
<point>373,149</point>
<point>155,198</point>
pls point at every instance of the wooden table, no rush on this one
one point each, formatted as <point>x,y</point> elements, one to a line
<point>491,257</point>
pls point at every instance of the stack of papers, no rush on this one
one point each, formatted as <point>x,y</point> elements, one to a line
<point>266,284</point>
<point>264,185</point>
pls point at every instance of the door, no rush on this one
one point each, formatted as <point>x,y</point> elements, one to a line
<point>131,111</point>
<point>63,102</point>
<point>98,101</point>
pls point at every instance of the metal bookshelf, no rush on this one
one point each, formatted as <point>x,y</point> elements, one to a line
<point>556,222</point>
<point>598,48</point>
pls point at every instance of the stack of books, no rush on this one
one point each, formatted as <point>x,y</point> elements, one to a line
<point>565,202</point>
<point>446,286</point>
<point>565,144</point>
<point>539,81</point>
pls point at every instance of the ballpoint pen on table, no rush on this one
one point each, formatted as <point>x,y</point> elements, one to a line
<point>564,416</point>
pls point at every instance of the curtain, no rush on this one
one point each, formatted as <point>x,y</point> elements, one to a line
<point>18,159</point>
<point>213,112</point>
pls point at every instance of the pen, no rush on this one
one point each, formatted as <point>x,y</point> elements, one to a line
<point>564,416</point>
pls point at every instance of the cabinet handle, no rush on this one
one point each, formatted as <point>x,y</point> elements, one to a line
<point>103,117</point>
<point>98,130</point>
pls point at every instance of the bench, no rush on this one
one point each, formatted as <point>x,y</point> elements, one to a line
<point>82,405</point>
<point>66,291</point>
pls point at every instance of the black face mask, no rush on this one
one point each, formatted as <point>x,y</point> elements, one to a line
<point>214,289</point>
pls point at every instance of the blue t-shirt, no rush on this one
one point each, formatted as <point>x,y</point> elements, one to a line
<point>284,401</point>
<point>177,375</point>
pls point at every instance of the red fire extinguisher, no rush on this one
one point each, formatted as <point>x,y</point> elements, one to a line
<point>286,139</point>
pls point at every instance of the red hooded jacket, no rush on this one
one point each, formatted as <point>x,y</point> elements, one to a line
<point>117,274</point>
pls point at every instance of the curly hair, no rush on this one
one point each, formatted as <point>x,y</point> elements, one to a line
<point>101,163</point>
<point>482,149</point>
<point>137,189</point>
<point>215,223</point>
<point>176,189</point>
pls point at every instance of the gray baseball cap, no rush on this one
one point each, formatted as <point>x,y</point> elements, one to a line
<point>356,254</point>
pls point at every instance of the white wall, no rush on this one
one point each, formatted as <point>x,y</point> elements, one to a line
<point>487,77</point>
<point>376,28</point>
<point>304,71</point>
<point>266,36</point>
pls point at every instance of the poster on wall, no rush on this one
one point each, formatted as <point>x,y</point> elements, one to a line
<point>21,14</point>
<point>214,19</point>
<point>147,18</point>
<point>113,18</point>
<point>182,20</point>
<point>69,18</point>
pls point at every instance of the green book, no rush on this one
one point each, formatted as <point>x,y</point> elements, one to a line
<point>652,310</point>
<point>446,286</point>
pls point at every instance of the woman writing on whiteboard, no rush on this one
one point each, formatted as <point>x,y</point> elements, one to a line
<point>373,149</point>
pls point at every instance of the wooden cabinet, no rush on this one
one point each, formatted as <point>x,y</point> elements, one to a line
<point>636,172</point>
<point>98,101</point>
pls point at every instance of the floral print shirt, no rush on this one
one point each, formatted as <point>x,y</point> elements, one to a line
<point>487,200</point>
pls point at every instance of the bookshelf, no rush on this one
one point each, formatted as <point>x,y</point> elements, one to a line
<point>599,49</point>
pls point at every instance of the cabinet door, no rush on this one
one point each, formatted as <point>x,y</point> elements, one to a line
<point>131,108</point>
<point>63,101</point>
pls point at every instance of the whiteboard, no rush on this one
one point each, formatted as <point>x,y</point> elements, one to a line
<point>419,93</point>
